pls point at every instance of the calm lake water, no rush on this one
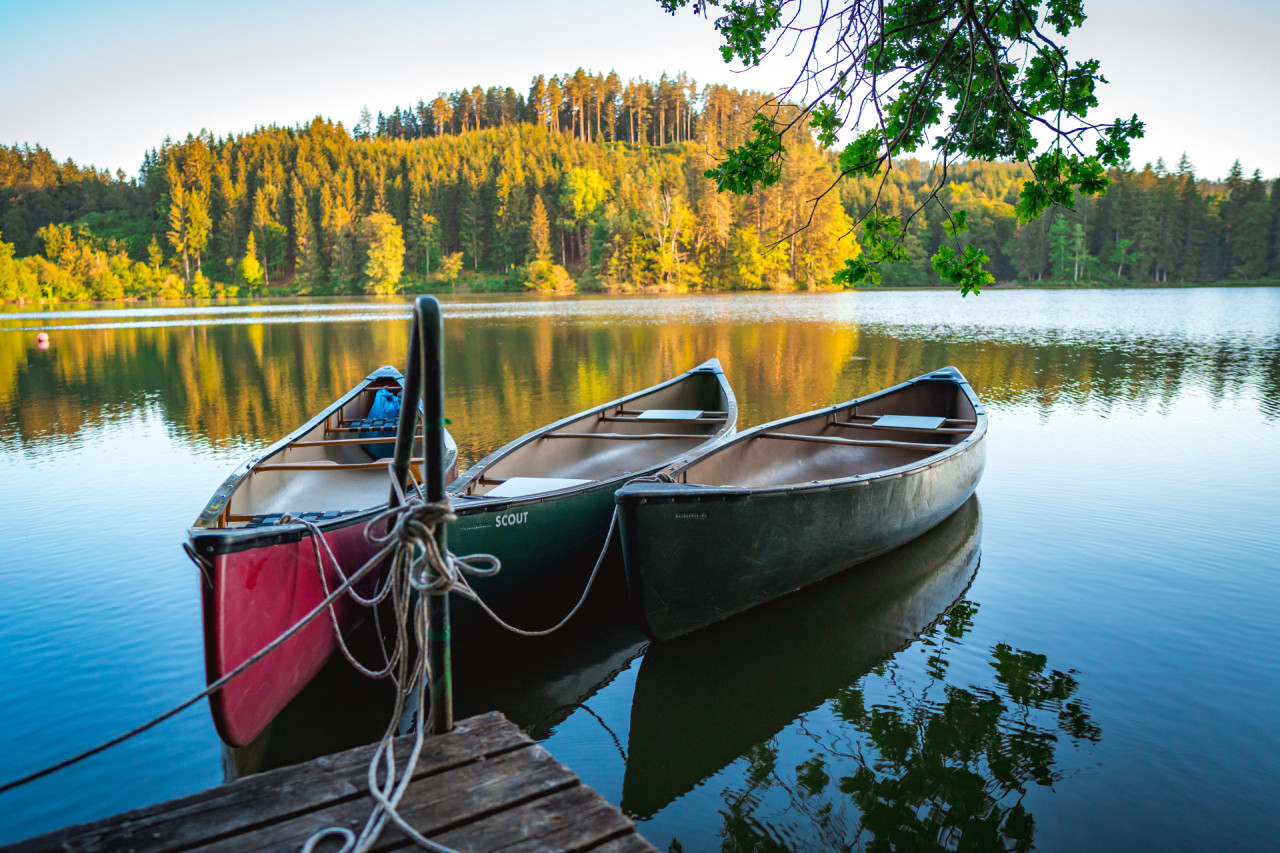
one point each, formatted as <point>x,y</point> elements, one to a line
<point>1084,656</point>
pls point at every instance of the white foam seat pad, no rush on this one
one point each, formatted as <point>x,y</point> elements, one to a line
<point>909,421</point>
<point>518,487</point>
<point>670,414</point>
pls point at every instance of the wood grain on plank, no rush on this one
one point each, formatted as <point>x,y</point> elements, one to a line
<point>275,795</point>
<point>571,820</point>
<point>438,803</point>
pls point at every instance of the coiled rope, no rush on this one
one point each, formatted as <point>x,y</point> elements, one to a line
<point>417,564</point>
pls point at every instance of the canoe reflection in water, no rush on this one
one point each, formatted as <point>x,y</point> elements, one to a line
<point>537,682</point>
<point>822,736</point>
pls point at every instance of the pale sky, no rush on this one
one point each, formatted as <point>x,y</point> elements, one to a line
<point>101,83</point>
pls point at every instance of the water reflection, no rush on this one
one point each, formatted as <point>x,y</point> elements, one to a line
<point>234,376</point>
<point>704,700</point>
<point>823,738</point>
<point>1106,544</point>
<point>536,682</point>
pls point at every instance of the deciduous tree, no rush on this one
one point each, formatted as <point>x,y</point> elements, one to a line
<point>977,79</point>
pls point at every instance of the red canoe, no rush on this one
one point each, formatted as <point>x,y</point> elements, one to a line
<point>260,576</point>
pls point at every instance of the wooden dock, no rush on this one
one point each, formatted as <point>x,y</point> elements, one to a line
<point>484,786</point>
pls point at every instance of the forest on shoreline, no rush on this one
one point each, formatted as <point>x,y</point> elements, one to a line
<point>582,183</point>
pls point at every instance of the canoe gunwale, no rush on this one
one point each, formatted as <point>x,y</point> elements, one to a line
<point>468,504</point>
<point>692,492</point>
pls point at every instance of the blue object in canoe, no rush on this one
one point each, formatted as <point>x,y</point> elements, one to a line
<point>380,422</point>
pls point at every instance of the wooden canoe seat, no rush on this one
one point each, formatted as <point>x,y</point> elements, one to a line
<point>518,487</point>
<point>627,436</point>
<point>855,442</point>
<point>668,416</point>
<point>854,416</point>
<point>936,431</point>
<point>908,422</point>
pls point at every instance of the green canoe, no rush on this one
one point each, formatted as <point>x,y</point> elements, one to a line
<point>543,503</point>
<point>788,503</point>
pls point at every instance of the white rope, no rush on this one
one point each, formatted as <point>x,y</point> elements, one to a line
<point>417,565</point>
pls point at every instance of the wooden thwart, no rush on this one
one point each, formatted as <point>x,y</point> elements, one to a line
<point>665,436</point>
<point>484,786</point>
<point>909,445</point>
<point>937,430</point>
<point>854,416</point>
<point>339,442</point>
<point>330,466</point>
<point>630,420</point>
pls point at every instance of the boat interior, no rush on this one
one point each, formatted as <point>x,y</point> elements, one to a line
<point>341,462</point>
<point>877,433</point>
<point>638,435</point>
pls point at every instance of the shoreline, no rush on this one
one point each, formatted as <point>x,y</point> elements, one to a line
<point>542,294</point>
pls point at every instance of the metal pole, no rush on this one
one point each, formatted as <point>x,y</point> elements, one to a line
<point>424,379</point>
<point>407,424</point>
<point>431,327</point>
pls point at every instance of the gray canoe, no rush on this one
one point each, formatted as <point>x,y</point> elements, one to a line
<point>797,500</point>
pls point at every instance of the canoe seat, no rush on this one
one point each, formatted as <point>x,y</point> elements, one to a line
<point>270,518</point>
<point>669,414</point>
<point>517,487</point>
<point>908,422</point>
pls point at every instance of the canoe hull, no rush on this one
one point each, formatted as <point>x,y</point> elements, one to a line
<point>696,554</point>
<point>547,548</point>
<point>255,595</point>
<point>549,541</point>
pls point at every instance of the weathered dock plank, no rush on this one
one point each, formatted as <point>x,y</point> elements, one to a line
<point>485,786</point>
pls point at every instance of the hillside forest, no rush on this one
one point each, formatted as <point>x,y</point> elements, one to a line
<point>583,182</point>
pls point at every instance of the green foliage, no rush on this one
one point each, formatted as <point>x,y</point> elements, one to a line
<point>201,288</point>
<point>582,194</point>
<point>539,231</point>
<point>758,161</point>
<point>450,267</point>
<point>753,266</point>
<point>250,270</point>
<point>638,216</point>
<point>881,241</point>
<point>971,81</point>
<point>383,245</point>
<point>544,275</point>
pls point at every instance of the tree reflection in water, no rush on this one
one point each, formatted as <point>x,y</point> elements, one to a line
<point>926,765</point>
